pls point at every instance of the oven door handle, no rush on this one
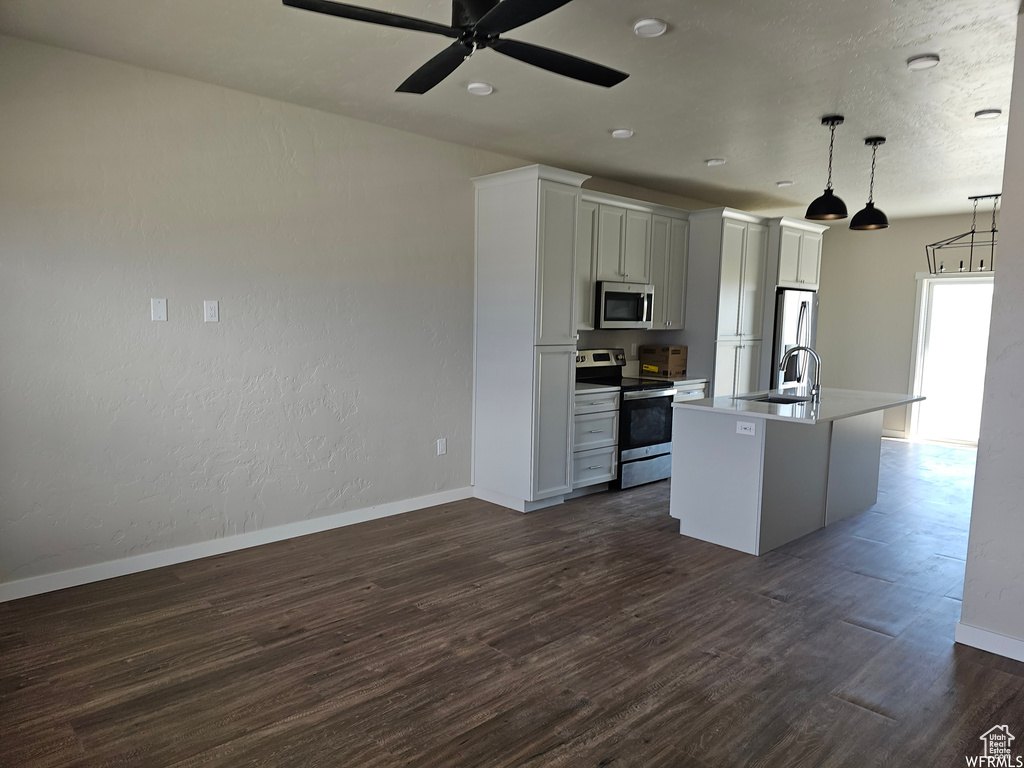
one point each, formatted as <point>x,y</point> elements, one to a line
<point>649,394</point>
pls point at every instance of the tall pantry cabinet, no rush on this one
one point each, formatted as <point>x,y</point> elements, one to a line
<point>526,336</point>
<point>726,297</point>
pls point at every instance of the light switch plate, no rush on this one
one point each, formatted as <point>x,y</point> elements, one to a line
<point>745,428</point>
<point>158,310</point>
<point>211,311</point>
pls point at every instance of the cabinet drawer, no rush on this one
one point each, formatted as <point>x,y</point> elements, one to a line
<point>596,466</point>
<point>596,430</point>
<point>592,403</point>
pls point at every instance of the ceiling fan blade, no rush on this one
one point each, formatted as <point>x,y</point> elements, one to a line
<point>509,14</point>
<point>435,70</point>
<point>372,16</point>
<point>560,63</point>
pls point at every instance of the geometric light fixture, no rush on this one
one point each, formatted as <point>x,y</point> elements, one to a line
<point>828,207</point>
<point>974,246</point>
<point>870,217</point>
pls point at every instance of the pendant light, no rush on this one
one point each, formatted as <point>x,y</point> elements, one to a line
<point>828,206</point>
<point>870,217</point>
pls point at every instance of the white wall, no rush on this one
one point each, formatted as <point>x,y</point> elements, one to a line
<point>342,256</point>
<point>994,589</point>
<point>867,302</point>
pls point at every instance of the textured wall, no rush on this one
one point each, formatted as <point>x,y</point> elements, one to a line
<point>868,296</point>
<point>994,589</point>
<point>341,254</point>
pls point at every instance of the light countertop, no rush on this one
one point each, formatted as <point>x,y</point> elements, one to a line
<point>835,404</point>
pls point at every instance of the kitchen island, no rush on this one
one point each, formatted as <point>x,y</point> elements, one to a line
<point>752,475</point>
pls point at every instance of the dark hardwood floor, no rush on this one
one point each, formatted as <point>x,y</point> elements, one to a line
<point>591,634</point>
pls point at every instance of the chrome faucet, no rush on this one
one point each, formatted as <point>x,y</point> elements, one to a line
<point>816,387</point>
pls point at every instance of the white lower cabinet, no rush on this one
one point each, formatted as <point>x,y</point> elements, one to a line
<point>595,438</point>
<point>599,465</point>
<point>595,430</point>
<point>737,364</point>
<point>555,372</point>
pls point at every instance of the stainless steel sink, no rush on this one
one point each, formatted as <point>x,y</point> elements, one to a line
<point>779,399</point>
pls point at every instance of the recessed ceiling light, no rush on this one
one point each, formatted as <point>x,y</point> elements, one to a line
<point>924,61</point>
<point>988,114</point>
<point>480,89</point>
<point>622,133</point>
<point>714,162</point>
<point>781,184</point>
<point>650,28</point>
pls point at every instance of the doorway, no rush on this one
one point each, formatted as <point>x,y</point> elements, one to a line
<point>953,319</point>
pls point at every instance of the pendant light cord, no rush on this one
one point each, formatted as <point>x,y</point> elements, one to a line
<point>831,145</point>
<point>871,189</point>
<point>974,218</point>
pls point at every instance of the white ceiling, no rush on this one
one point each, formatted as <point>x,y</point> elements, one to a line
<point>747,80</point>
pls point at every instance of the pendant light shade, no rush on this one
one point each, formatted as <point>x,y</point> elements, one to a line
<point>828,207</point>
<point>870,217</point>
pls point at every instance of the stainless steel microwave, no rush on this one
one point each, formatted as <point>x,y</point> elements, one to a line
<point>625,305</point>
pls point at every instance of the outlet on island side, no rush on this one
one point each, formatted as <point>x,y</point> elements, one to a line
<point>745,428</point>
<point>442,446</point>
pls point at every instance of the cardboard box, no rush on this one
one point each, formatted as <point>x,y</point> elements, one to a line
<point>663,361</point>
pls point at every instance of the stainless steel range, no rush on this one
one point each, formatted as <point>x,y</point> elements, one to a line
<point>645,416</point>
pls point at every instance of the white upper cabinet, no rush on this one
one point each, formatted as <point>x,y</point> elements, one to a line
<point>611,242</point>
<point>623,245</point>
<point>556,248</point>
<point>798,245</point>
<point>810,260</point>
<point>636,254</point>
<point>586,264</point>
<point>730,296</point>
<point>741,289</point>
<point>789,255</point>
<point>669,249</point>
<point>752,303</point>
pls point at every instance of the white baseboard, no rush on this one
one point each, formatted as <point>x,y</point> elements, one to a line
<point>49,582</point>
<point>993,642</point>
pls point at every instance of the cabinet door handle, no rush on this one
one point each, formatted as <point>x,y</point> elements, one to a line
<point>597,467</point>
<point>596,431</point>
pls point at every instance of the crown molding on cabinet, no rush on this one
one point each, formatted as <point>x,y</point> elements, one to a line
<point>530,173</point>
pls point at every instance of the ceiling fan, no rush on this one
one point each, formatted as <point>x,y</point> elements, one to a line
<point>475,24</point>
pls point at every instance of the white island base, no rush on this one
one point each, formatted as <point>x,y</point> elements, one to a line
<point>753,476</point>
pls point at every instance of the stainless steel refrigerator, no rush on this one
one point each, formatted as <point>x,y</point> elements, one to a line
<point>796,325</point>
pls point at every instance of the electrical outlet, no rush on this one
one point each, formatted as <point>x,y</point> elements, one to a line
<point>211,311</point>
<point>158,310</point>
<point>442,446</point>
<point>745,428</point>
<point>634,350</point>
